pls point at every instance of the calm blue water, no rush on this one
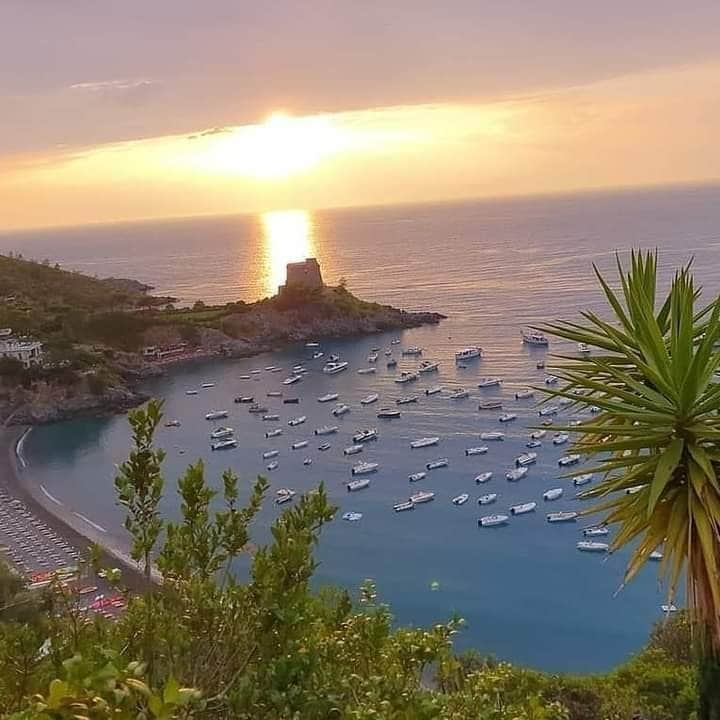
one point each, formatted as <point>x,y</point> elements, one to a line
<point>526,592</point>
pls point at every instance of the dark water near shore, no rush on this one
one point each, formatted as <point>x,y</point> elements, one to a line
<point>492,267</point>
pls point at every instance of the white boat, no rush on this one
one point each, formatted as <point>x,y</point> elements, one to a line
<point>352,516</point>
<point>268,454</point>
<point>276,370</point>
<point>424,442</point>
<point>353,450</point>
<point>583,348</point>
<point>365,435</point>
<point>422,497</point>
<point>324,447</point>
<point>257,409</point>
<point>329,397</point>
<point>299,444</point>
<point>634,489</point>
<point>428,366</point>
<point>493,520</point>
<point>548,410</point>
<point>407,399</point>
<point>533,444</point>
<point>274,393</point>
<point>292,379</point>
<point>245,377</point>
<point>367,371</point>
<point>244,399</point>
<point>480,450</point>
<point>434,390</point>
<point>273,433</point>
<point>594,547</point>
<point>523,508</point>
<point>395,341</point>
<point>560,517</point>
<point>560,438</point>
<point>487,499</point>
<point>495,435</point>
<point>312,344</point>
<point>297,421</point>
<point>564,402</point>
<point>388,413</point>
<point>575,423</point>
<point>284,495</point>
<point>526,459</point>
<point>566,460</point>
<point>388,352</point>
<point>460,499</point>
<point>270,368</point>
<point>489,404</point>
<point>403,506</point>
<point>583,479</point>
<point>553,494</point>
<point>416,477</point>
<point>326,430</point>
<point>307,461</point>
<point>436,464</point>
<point>334,357</point>
<point>221,432</point>
<point>358,484</point>
<point>207,385</point>
<point>317,355</point>
<point>483,477</point>
<point>667,609</point>
<point>596,532</point>
<point>534,337</point>
<point>551,380</point>
<point>412,350</point>
<point>341,409</point>
<point>271,418</point>
<point>538,434</point>
<point>216,415</point>
<point>370,399</point>
<point>335,367</point>
<point>655,555</point>
<point>487,382</point>
<point>468,353</point>
<point>224,444</point>
<point>507,417</point>
<point>363,468</point>
<point>273,465</point>
<point>406,377</point>
<point>191,392</point>
<point>459,394</point>
<point>524,394</point>
<point>595,410</point>
<point>516,474</point>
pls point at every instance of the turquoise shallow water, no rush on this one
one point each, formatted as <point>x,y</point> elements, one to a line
<point>527,594</point>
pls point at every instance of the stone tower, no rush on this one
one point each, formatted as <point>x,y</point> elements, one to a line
<point>303,274</point>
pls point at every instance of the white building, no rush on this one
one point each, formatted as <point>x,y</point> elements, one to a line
<point>27,351</point>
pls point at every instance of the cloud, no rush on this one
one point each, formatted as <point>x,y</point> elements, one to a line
<point>210,131</point>
<point>124,91</point>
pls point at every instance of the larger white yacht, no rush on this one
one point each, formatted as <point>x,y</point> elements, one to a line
<point>334,367</point>
<point>534,337</point>
<point>468,353</point>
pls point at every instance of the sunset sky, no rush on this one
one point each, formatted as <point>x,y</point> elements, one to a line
<point>134,109</point>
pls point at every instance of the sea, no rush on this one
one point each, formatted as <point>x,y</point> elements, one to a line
<point>491,266</point>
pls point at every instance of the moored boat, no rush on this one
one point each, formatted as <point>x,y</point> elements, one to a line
<point>364,468</point>
<point>341,409</point>
<point>406,377</point>
<point>583,479</point>
<point>207,385</point>
<point>487,499</point>
<point>292,379</point>
<point>412,350</point>
<point>538,434</point>
<point>392,363</point>
<point>291,401</point>
<point>273,433</point>
<point>404,506</point>
<point>244,399</point>
<point>324,447</point>
<point>191,392</point>
<point>370,399</point>
<point>534,337</point>
<point>596,531</point>
<point>271,417</point>
<point>221,432</point>
<point>526,459</point>
<point>493,520</point>
<point>328,397</point>
<point>361,484</point>
<point>224,444</point>
<point>563,516</point>
<point>335,367</point>
<point>406,400</point>
<point>366,371</point>
<point>326,430</point>
<point>560,438</point>
<point>483,477</point>
<point>593,547</point>
<point>516,474</point>
<point>436,464</point>
<point>507,417</point>
<point>297,421</point>
<point>434,390</point>
<point>274,393</point>
<point>299,444</point>
<point>424,442</point>
<point>459,394</point>
<point>307,461</point>
<point>488,382</point>
<point>548,410</point>
<point>284,495</point>
<point>365,435</point>
<point>353,450</point>
<point>655,555</point>
<point>273,465</point>
<point>270,454</point>
<point>533,444</point>
<point>468,353</point>
<point>216,415</point>
<point>583,348</point>
<point>422,497</point>
<point>257,409</point>
<point>352,516</point>
<point>524,394</point>
<point>551,380</point>
<point>460,499</point>
<point>523,508</point>
<point>566,460</point>
<point>489,404</point>
<point>388,414</point>
<point>416,477</point>
<point>428,366</point>
<point>479,450</point>
<point>494,435</point>
<point>553,494</point>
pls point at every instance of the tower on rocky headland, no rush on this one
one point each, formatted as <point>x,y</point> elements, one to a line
<point>305,274</point>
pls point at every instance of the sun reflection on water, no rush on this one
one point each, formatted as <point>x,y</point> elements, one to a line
<point>287,237</point>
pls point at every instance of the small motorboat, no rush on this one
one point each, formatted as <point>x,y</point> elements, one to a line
<point>326,430</point>
<point>403,506</point>
<point>526,459</point>
<point>207,385</point>
<point>271,418</point>
<point>317,355</point>
<point>370,399</point>
<point>276,370</point>
<point>516,474</point>
<point>483,477</point>
<point>533,444</point>
<point>548,411</point>
<point>427,366</point>
<point>468,353</point>
<point>366,371</point>
<point>353,450</point>
<point>459,394</point>
<point>583,479</point>
<point>352,516</point>
<point>324,447</point>
<point>507,417</point>
<point>422,497</point>
<point>270,368</point>
<point>655,555</point>
<point>434,390</point>
<point>540,364</point>
<point>297,421</point>
<point>567,460</point>
<point>388,352</point>
<point>307,461</point>
<point>413,350</point>
<point>273,465</point>
<point>244,399</point>
<point>436,464</point>
<point>216,415</point>
<point>333,367</point>
<point>560,438</point>
<point>392,363</point>
<point>364,468</point>
<point>424,442</point>
<point>592,547</point>
<point>299,444</point>
<point>595,410</point>
<point>292,379</point>
<point>372,358</point>
<point>551,380</point>
<point>224,444</point>
<point>406,377</point>
<point>416,477</point>
<point>480,450</point>
<point>268,454</point>
<point>553,494</point>
<point>395,341</point>
<point>257,409</point>
<point>493,520</point>
<point>365,435</point>
<point>524,394</point>
<point>407,399</point>
<point>583,348</point>
<point>284,495</point>
<point>312,344</point>
<point>221,432</point>
<point>341,409</point>
<point>489,404</point>
<point>388,414</point>
<point>523,508</point>
<point>460,499</point>
<point>534,337</point>
<point>291,401</point>
<point>667,609</point>
<point>560,517</point>
<point>172,424</point>
<point>494,435</point>
<point>488,382</point>
<point>538,434</point>
<point>274,393</point>
<point>361,484</point>
<point>245,377</point>
<point>575,423</point>
<point>487,499</point>
<point>596,531</point>
<point>328,398</point>
<point>191,392</point>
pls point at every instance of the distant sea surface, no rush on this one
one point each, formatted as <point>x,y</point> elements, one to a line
<point>492,267</point>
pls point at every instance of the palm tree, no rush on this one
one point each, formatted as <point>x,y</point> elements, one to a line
<point>656,438</point>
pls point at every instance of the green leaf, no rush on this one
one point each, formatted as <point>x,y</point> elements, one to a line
<point>666,466</point>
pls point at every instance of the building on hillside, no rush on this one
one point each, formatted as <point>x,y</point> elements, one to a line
<point>303,274</point>
<point>26,350</point>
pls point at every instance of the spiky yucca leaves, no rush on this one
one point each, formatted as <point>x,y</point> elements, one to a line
<point>657,435</point>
